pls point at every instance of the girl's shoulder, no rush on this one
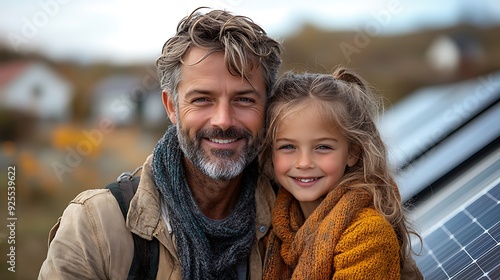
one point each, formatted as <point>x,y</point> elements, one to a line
<point>369,222</point>
<point>368,213</point>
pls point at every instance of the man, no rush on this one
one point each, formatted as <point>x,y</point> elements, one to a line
<point>198,193</point>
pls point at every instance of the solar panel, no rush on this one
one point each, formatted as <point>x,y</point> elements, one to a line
<point>466,244</point>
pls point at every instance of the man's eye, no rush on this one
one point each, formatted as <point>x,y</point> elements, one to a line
<point>200,100</point>
<point>245,99</point>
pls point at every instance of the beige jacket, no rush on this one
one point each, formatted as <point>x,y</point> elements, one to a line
<point>92,241</point>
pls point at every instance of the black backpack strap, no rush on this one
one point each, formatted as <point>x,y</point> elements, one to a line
<point>146,252</point>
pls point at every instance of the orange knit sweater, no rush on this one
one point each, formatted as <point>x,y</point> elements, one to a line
<point>343,239</point>
<point>368,249</point>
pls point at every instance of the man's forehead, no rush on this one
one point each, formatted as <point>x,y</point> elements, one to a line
<point>195,55</point>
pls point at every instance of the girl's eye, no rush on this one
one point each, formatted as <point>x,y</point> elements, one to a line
<point>324,147</point>
<point>286,147</point>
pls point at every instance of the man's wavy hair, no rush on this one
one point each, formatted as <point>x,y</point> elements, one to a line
<point>244,43</point>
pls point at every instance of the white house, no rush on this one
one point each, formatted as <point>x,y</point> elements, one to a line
<point>459,54</point>
<point>154,114</point>
<point>124,99</point>
<point>112,99</point>
<point>33,87</point>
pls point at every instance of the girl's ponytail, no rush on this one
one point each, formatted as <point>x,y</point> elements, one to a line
<point>350,77</point>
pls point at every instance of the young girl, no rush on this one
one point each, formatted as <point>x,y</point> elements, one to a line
<point>338,212</point>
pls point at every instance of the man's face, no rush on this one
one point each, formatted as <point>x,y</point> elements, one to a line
<point>220,117</point>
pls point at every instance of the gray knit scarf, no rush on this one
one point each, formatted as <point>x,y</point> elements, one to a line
<point>207,249</point>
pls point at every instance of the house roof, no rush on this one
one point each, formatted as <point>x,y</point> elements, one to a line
<point>11,70</point>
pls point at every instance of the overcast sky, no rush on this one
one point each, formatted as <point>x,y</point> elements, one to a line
<point>126,31</point>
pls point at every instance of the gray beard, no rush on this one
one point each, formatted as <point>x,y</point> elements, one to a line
<point>221,166</point>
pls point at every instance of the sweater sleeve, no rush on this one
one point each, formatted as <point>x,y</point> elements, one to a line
<point>368,249</point>
<point>81,243</point>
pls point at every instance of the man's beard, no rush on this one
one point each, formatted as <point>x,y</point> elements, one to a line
<point>220,164</point>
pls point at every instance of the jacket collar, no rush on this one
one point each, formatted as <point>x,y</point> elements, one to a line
<point>144,215</point>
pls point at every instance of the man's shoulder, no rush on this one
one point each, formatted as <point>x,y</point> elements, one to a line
<point>92,195</point>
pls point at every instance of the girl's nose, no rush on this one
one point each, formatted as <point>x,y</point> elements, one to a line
<point>304,160</point>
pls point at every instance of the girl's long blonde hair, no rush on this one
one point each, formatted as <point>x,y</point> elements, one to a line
<point>345,102</point>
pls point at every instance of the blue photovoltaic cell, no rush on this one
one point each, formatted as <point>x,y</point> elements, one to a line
<point>478,247</point>
<point>490,260</point>
<point>495,231</point>
<point>468,234</point>
<point>456,263</point>
<point>437,238</point>
<point>480,206</point>
<point>490,218</point>
<point>427,263</point>
<point>446,250</point>
<point>436,274</point>
<point>495,273</point>
<point>495,192</point>
<point>467,245</point>
<point>470,272</point>
<point>458,222</point>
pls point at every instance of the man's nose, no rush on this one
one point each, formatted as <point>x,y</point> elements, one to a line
<point>223,116</point>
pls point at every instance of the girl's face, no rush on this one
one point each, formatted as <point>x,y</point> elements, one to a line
<point>309,159</point>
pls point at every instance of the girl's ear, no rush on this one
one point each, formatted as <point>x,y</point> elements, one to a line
<point>354,153</point>
<point>169,105</point>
